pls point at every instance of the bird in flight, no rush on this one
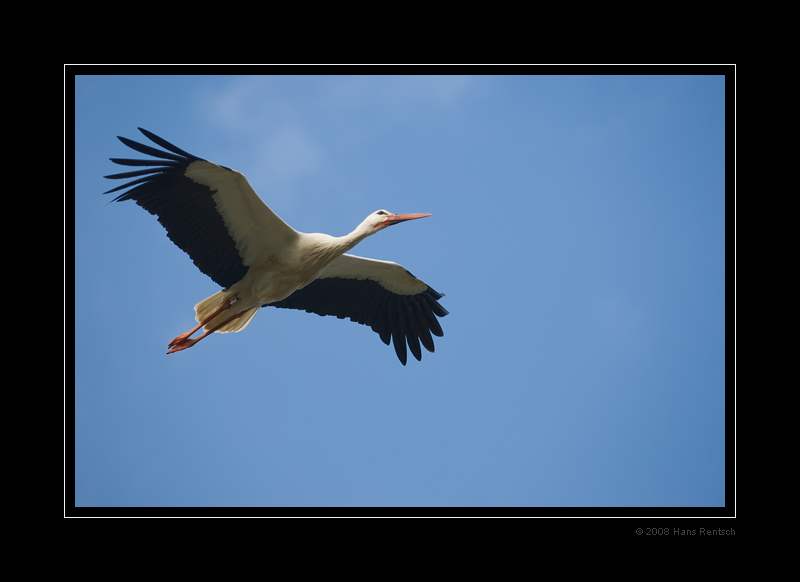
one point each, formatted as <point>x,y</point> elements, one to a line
<point>214,215</point>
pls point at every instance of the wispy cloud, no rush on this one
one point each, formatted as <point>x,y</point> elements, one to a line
<point>256,103</point>
<point>292,127</point>
<point>390,92</point>
<point>236,104</point>
<point>291,152</point>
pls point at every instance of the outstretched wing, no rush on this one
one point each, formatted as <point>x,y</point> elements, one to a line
<point>381,294</point>
<point>209,211</point>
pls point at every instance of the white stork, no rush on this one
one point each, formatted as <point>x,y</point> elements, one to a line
<point>213,214</point>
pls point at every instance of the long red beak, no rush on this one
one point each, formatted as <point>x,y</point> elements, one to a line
<point>396,218</point>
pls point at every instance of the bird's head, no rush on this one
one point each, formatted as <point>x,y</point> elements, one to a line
<point>380,219</point>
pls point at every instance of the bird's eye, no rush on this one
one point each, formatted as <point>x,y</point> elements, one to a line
<point>381,212</point>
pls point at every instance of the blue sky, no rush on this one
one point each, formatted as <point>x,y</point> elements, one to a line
<point>578,233</point>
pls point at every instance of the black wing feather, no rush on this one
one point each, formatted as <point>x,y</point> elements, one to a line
<point>405,320</point>
<point>185,208</point>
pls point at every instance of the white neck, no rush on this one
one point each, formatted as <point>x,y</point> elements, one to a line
<point>329,247</point>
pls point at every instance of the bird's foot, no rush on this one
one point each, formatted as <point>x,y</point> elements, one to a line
<point>180,339</point>
<point>181,343</point>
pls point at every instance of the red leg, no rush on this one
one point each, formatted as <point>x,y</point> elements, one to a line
<point>184,336</point>
<point>187,343</point>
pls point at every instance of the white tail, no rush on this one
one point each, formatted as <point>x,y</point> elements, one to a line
<point>211,304</point>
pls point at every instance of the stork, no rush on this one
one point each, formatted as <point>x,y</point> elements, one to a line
<point>213,214</point>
